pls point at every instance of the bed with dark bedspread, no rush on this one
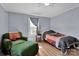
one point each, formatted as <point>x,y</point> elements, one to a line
<point>64,42</point>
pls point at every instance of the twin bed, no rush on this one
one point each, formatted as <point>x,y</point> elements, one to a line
<point>60,41</point>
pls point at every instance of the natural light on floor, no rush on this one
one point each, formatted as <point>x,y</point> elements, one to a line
<point>40,46</point>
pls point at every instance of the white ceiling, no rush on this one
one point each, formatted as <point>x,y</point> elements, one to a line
<point>39,9</point>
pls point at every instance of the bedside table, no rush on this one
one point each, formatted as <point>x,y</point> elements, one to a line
<point>38,38</point>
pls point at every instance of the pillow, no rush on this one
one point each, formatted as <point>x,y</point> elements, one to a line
<point>14,35</point>
<point>51,38</point>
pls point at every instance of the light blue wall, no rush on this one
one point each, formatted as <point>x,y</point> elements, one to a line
<point>3,21</point>
<point>67,23</point>
<point>19,22</point>
<point>44,24</point>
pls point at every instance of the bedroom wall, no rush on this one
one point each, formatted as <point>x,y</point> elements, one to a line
<point>44,24</point>
<point>3,21</point>
<point>19,22</point>
<point>67,23</point>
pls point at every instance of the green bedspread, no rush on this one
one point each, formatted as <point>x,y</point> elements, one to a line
<point>24,48</point>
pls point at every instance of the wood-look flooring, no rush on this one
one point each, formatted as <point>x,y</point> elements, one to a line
<point>46,49</point>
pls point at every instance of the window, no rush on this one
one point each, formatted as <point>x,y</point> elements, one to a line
<point>33,28</point>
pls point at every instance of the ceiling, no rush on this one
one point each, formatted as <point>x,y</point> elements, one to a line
<point>39,9</point>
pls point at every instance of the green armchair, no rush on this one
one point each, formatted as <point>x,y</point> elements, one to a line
<point>19,47</point>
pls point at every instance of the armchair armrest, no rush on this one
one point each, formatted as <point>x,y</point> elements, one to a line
<point>7,44</point>
<point>24,38</point>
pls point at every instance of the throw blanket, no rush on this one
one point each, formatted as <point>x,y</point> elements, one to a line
<point>65,42</point>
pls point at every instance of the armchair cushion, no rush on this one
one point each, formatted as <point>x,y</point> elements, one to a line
<point>28,48</point>
<point>17,42</point>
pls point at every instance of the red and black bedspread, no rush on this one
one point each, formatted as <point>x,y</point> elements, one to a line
<point>51,39</point>
<point>59,40</point>
<point>65,40</point>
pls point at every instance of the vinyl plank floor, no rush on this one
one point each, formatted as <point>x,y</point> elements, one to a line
<point>46,49</point>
